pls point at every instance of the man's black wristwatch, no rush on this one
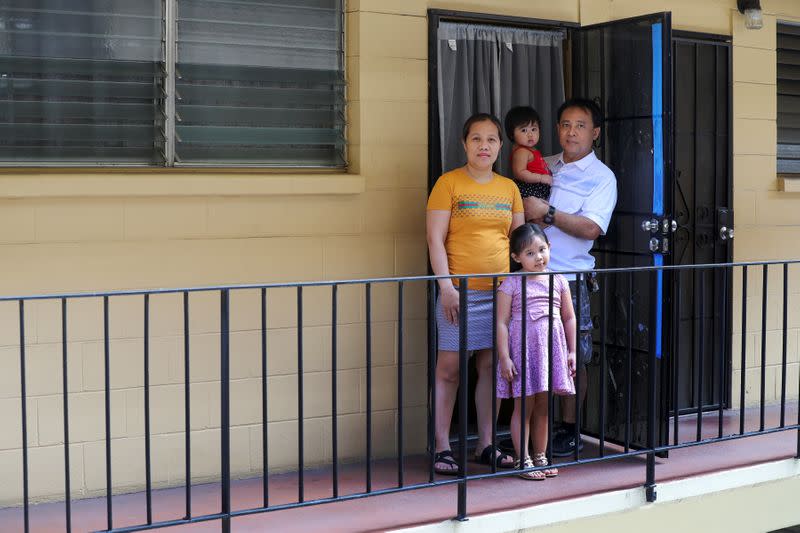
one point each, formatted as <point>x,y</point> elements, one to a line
<point>548,218</point>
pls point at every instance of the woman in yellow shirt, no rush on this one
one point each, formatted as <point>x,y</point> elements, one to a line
<point>471,212</point>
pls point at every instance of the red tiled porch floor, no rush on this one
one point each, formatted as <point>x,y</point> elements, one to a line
<point>428,505</point>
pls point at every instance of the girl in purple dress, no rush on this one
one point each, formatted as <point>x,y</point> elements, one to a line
<point>531,248</point>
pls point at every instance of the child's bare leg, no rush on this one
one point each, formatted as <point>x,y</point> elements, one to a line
<point>521,444</point>
<point>539,422</point>
<point>521,451</point>
<point>539,416</point>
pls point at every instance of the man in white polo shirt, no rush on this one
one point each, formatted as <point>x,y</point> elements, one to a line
<point>583,196</point>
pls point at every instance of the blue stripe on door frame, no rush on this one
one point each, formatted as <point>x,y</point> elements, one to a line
<point>658,170</point>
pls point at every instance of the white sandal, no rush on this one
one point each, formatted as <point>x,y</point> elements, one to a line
<point>540,459</point>
<point>530,476</point>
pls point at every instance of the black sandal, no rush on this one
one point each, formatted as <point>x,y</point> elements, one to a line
<point>446,457</point>
<point>485,458</point>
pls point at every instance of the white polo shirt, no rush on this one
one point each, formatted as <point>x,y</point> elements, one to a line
<point>587,188</point>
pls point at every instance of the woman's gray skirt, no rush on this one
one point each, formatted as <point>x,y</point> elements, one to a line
<point>479,323</point>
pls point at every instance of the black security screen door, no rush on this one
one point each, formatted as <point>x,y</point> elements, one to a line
<point>625,66</point>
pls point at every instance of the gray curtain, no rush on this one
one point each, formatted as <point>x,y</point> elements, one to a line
<point>490,69</point>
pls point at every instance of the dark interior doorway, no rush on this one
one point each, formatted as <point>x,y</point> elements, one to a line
<point>703,200</point>
<point>697,195</point>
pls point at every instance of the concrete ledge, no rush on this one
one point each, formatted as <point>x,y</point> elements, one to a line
<point>563,512</point>
<point>42,184</point>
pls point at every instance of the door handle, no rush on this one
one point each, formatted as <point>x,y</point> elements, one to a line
<point>725,233</point>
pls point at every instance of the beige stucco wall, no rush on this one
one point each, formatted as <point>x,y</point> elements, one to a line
<point>85,230</point>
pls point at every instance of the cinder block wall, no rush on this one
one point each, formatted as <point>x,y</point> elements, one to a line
<point>65,230</point>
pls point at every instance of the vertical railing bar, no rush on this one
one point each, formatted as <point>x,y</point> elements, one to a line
<point>24,398</point>
<point>107,380</point>
<point>723,351</point>
<point>264,403</point>
<point>784,330</point>
<point>628,366</point>
<point>578,342</point>
<point>743,366</point>
<point>603,368</point>
<point>764,273</point>
<point>187,405</point>
<point>432,347</point>
<point>300,435</point>
<point>701,349</point>
<point>524,439</point>
<point>400,384</point>
<point>147,473</point>
<point>550,398</point>
<point>676,356</point>
<point>334,400</point>
<point>494,368</point>
<point>225,421</point>
<point>368,340</point>
<point>461,500</point>
<point>650,467</point>
<point>65,388</point>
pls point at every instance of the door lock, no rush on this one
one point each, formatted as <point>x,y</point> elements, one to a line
<point>653,244</point>
<point>725,233</point>
<point>650,225</point>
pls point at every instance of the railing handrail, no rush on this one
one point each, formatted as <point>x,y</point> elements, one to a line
<point>395,279</point>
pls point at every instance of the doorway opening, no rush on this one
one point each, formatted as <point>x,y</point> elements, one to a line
<point>666,99</point>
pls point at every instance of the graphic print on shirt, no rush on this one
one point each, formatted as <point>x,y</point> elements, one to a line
<point>480,206</point>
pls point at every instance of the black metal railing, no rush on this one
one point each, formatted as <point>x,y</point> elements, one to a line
<point>622,344</point>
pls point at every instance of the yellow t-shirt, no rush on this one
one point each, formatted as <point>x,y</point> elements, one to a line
<point>480,219</point>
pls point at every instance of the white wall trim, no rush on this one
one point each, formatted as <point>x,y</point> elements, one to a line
<point>617,501</point>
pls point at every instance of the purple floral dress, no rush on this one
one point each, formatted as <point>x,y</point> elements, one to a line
<point>536,379</point>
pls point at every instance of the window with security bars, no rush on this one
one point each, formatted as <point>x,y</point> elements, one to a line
<point>788,51</point>
<point>168,82</point>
